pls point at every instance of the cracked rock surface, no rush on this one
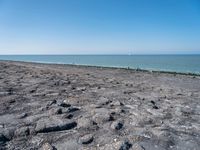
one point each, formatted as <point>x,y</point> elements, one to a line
<point>67,107</point>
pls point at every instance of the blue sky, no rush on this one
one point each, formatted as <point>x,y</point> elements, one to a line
<point>99,26</point>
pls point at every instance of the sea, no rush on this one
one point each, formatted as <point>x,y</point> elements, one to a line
<point>172,63</point>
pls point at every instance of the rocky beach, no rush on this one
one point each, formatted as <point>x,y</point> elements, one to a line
<point>69,107</point>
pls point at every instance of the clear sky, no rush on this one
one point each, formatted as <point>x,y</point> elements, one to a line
<point>99,26</point>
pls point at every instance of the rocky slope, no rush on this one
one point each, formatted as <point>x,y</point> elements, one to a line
<point>67,107</point>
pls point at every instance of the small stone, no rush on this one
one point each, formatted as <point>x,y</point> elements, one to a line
<point>86,139</point>
<point>3,139</point>
<point>126,145</point>
<point>117,125</point>
<point>137,147</point>
<point>47,146</point>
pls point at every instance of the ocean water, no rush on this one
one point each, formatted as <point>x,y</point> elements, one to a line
<point>177,63</point>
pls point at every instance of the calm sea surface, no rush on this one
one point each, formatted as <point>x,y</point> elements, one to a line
<point>178,63</point>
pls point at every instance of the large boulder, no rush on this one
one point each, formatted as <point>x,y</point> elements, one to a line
<point>102,115</point>
<point>23,131</point>
<point>54,124</point>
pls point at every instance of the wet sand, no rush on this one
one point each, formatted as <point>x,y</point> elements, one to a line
<point>48,106</point>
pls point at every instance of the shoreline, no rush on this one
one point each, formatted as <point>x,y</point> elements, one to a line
<point>102,108</point>
<point>110,67</point>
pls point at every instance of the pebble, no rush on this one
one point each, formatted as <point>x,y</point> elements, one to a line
<point>137,147</point>
<point>47,146</point>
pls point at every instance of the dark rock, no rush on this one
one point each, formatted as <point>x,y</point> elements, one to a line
<point>117,125</point>
<point>153,102</point>
<point>12,101</point>
<point>126,145</point>
<point>72,109</point>
<point>155,107</point>
<point>10,91</point>
<point>64,104</point>
<point>32,91</point>
<point>3,139</point>
<point>86,139</point>
<point>59,111</point>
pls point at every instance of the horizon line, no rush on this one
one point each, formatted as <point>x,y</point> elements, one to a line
<point>110,54</point>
